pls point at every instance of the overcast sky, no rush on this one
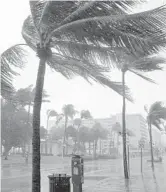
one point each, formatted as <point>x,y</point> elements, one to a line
<point>102,102</point>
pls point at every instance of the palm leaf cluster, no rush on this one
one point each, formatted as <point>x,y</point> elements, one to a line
<point>11,59</point>
<point>156,114</point>
<point>146,64</point>
<point>83,35</point>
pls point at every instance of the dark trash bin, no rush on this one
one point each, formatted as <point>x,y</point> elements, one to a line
<point>59,183</point>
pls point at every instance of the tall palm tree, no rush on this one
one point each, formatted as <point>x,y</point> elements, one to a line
<point>67,36</point>
<point>128,62</point>
<point>69,112</point>
<point>155,114</point>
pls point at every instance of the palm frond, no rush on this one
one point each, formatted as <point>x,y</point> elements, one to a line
<point>157,113</point>
<point>108,56</point>
<point>29,33</point>
<point>12,58</point>
<point>147,64</point>
<point>101,8</point>
<point>141,75</point>
<point>70,68</point>
<point>142,32</point>
<point>157,125</point>
<point>87,52</point>
<point>37,10</point>
<point>57,13</point>
<point>51,13</point>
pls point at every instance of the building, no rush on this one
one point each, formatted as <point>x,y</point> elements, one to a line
<point>137,124</point>
<point>134,122</point>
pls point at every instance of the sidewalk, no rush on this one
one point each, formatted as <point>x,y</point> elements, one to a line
<point>147,182</point>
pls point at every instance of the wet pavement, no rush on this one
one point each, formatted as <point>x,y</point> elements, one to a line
<point>100,176</point>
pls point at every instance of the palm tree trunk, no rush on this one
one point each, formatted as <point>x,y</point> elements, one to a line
<point>64,138</point>
<point>126,174</point>
<point>100,148</point>
<point>151,145</point>
<point>89,148</point>
<point>117,143</point>
<point>47,122</point>
<point>29,110</point>
<point>36,127</point>
<point>78,141</point>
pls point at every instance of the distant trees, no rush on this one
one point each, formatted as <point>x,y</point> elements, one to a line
<point>97,132</point>
<point>81,134</point>
<point>15,131</point>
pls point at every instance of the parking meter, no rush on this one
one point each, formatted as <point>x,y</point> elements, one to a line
<point>77,173</point>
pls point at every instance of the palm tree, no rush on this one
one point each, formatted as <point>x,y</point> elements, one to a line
<point>155,114</point>
<point>25,97</point>
<point>84,114</point>
<point>51,113</point>
<point>96,129</point>
<point>69,112</point>
<point>117,128</point>
<point>67,36</point>
<point>128,62</point>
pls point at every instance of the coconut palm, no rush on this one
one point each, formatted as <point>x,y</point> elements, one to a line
<point>76,37</point>
<point>68,112</point>
<point>155,115</point>
<point>133,64</point>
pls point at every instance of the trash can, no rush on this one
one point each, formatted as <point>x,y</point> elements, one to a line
<point>59,183</point>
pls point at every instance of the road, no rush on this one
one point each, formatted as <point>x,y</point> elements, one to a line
<point>101,175</point>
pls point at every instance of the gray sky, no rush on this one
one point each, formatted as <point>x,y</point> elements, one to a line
<point>102,102</point>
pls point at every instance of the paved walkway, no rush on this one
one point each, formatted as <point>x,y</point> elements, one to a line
<point>100,176</point>
<point>146,182</point>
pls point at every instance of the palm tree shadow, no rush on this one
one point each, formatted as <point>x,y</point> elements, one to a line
<point>154,182</point>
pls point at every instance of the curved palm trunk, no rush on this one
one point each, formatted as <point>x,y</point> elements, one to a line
<point>126,174</point>
<point>151,145</point>
<point>36,127</point>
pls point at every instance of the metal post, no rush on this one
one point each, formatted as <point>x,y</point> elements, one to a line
<point>141,159</point>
